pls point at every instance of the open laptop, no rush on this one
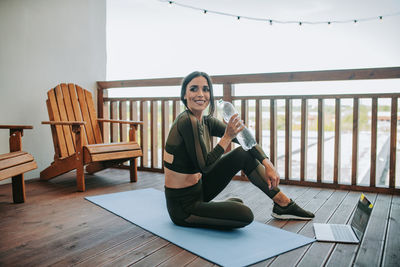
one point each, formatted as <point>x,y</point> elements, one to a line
<point>346,233</point>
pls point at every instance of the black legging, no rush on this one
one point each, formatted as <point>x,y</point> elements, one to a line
<point>192,206</point>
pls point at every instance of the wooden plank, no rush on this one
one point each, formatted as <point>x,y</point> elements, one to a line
<point>300,76</point>
<point>267,97</point>
<point>16,160</point>
<point>227,92</point>
<point>106,125</point>
<point>319,252</point>
<point>259,122</point>
<point>93,117</point>
<point>374,127</point>
<point>123,115</point>
<point>317,205</point>
<point>117,251</point>
<point>68,106</point>
<point>165,126</point>
<point>154,133</point>
<point>288,139</point>
<point>63,117</point>
<point>393,142</point>
<point>101,148</point>
<point>321,141</point>
<point>55,116</point>
<point>11,155</point>
<point>273,132</point>
<point>57,152</point>
<point>116,155</point>
<point>77,110</point>
<point>244,113</point>
<point>181,259</point>
<point>100,106</point>
<point>159,256</point>
<point>102,247</point>
<point>304,139</point>
<point>85,115</point>
<point>175,109</point>
<point>391,256</point>
<point>336,161</point>
<point>16,127</point>
<point>18,169</point>
<point>144,133</point>
<point>138,253</point>
<point>354,165</point>
<point>371,248</point>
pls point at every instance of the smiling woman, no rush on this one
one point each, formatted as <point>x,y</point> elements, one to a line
<point>195,173</point>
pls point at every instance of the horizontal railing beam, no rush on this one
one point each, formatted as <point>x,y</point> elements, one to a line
<point>300,76</point>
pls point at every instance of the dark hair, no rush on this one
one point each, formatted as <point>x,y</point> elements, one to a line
<point>187,80</point>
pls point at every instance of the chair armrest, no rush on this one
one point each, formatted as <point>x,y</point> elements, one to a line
<point>64,122</point>
<point>120,121</point>
<point>16,127</point>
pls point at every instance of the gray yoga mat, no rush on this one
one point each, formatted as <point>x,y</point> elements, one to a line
<point>240,247</point>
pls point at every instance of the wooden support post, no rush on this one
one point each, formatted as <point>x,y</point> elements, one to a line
<point>288,139</point>
<point>80,176</point>
<point>354,166</point>
<point>321,139</point>
<point>18,185</point>
<point>304,139</point>
<point>336,164</point>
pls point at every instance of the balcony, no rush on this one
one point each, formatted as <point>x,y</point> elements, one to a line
<point>327,148</point>
<point>342,141</point>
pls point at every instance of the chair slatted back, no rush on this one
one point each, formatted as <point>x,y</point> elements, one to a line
<point>69,102</point>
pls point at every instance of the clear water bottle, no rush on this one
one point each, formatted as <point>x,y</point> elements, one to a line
<point>245,137</point>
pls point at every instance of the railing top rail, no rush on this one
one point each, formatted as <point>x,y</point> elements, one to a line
<point>245,97</point>
<point>300,76</point>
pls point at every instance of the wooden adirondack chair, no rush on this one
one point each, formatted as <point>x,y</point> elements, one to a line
<point>77,137</point>
<point>17,162</point>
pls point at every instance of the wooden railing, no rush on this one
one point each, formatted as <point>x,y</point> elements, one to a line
<point>380,172</point>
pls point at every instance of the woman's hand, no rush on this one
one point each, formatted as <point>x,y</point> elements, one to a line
<point>235,126</point>
<point>271,173</point>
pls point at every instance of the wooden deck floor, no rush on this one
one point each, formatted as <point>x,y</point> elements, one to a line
<point>57,227</point>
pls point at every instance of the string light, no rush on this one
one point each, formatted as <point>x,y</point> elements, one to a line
<point>271,21</point>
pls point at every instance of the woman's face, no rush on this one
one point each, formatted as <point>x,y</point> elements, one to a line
<point>197,95</point>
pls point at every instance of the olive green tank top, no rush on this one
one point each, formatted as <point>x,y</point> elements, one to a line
<point>188,146</point>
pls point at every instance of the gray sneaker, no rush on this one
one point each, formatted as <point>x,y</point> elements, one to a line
<point>291,211</point>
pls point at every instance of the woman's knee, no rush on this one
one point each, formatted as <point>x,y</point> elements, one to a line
<point>244,158</point>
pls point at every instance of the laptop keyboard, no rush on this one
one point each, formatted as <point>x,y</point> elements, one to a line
<point>341,232</point>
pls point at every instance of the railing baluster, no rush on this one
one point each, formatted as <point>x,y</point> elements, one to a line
<point>374,123</point>
<point>154,133</point>
<point>144,133</point>
<point>244,114</point>
<point>106,125</point>
<point>114,126</point>
<point>272,129</point>
<point>304,138</point>
<point>164,127</point>
<point>134,116</point>
<point>336,163</point>
<point>176,109</point>
<point>321,139</point>
<point>123,115</point>
<point>393,141</point>
<point>259,122</point>
<point>288,138</point>
<point>354,167</point>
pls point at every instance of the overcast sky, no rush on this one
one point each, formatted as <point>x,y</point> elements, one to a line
<point>150,38</point>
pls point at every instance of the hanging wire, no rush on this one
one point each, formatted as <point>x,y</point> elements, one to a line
<point>272,21</point>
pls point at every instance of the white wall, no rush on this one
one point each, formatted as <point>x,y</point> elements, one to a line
<point>44,43</point>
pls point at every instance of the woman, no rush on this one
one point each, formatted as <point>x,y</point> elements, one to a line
<point>195,173</point>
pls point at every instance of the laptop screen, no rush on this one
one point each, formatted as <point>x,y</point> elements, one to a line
<point>361,216</point>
